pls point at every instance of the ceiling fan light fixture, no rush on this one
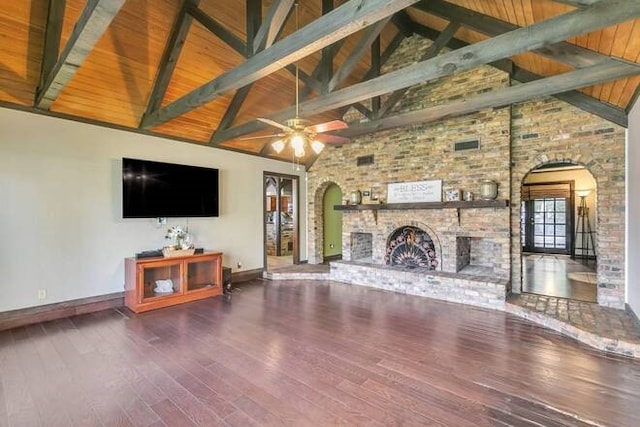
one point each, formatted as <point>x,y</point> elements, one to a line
<point>297,142</point>
<point>278,146</point>
<point>317,146</point>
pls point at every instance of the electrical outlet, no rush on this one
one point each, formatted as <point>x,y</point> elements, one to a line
<point>239,264</point>
<point>42,294</point>
<point>160,221</point>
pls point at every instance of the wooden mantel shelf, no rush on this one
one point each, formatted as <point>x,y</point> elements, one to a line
<point>474,204</point>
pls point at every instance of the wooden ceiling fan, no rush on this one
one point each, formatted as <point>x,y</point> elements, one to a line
<point>297,132</point>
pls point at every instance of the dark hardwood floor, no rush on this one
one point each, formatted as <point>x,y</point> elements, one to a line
<point>309,354</point>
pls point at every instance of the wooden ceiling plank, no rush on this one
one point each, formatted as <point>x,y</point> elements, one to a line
<point>170,56</point>
<point>254,12</point>
<point>576,98</point>
<point>272,24</point>
<point>633,100</point>
<point>338,24</point>
<point>563,52</point>
<point>519,10</point>
<point>543,33</point>
<point>631,85</point>
<point>255,125</point>
<point>96,17</point>
<point>369,35</point>
<point>53,32</point>
<point>240,47</point>
<point>237,44</point>
<point>219,30</point>
<point>440,42</point>
<point>540,88</point>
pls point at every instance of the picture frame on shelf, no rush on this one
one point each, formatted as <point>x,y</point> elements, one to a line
<point>453,195</point>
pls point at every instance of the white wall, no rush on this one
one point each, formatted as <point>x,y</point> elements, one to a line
<point>633,210</point>
<point>61,225</point>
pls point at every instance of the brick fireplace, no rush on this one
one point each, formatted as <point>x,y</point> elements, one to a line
<point>456,255</point>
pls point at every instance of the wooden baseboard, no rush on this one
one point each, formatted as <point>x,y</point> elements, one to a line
<point>45,313</point>
<point>245,276</point>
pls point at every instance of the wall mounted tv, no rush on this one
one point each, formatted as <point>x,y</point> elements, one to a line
<point>155,189</point>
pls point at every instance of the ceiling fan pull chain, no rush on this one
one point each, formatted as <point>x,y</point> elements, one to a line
<point>297,88</point>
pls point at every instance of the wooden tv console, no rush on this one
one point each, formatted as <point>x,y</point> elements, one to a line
<point>193,276</point>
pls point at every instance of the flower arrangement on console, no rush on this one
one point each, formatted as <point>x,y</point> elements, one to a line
<point>180,237</point>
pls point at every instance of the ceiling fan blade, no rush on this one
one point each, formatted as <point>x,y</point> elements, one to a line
<point>274,124</point>
<point>332,139</point>
<point>262,136</point>
<point>328,126</point>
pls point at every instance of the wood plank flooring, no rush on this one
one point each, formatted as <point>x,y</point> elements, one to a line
<point>309,354</point>
<point>548,274</point>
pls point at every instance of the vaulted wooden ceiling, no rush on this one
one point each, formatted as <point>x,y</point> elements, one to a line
<point>203,70</point>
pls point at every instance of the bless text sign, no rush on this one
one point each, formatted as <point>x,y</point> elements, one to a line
<point>415,192</point>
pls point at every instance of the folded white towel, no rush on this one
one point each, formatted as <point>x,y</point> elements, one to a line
<point>164,286</point>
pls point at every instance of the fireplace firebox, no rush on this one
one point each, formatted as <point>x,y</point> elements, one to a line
<point>411,246</point>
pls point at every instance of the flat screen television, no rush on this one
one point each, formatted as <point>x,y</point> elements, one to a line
<point>156,189</point>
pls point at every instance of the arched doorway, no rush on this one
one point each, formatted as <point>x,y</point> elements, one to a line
<point>558,215</point>
<point>331,224</point>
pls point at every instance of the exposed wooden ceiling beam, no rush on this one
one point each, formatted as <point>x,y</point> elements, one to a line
<point>544,87</point>
<point>602,14</point>
<point>52,35</point>
<point>255,125</point>
<point>576,98</point>
<point>358,51</point>
<point>272,24</point>
<point>253,18</point>
<point>170,56</point>
<point>219,30</point>
<point>94,20</point>
<point>577,3</point>
<point>253,22</point>
<point>376,68</point>
<point>436,47</point>
<point>403,22</point>
<point>338,24</point>
<point>325,67</point>
<point>563,51</point>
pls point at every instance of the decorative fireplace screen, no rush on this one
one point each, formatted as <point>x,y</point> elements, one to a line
<point>411,246</point>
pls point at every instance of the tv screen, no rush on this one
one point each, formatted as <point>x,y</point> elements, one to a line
<point>155,189</point>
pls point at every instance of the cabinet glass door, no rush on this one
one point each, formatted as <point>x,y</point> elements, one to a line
<point>160,280</point>
<point>202,274</point>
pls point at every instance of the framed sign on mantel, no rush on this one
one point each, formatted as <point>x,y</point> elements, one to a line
<point>415,192</point>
